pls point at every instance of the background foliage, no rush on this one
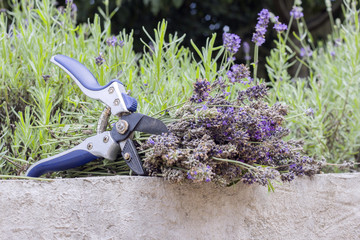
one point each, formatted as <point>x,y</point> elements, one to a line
<point>42,112</point>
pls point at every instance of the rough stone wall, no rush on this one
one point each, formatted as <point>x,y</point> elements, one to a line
<point>324,207</point>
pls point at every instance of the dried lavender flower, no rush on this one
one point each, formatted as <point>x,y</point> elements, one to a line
<point>201,91</point>
<point>213,139</point>
<point>239,73</point>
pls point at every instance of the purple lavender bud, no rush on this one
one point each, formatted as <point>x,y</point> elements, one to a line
<point>111,41</point>
<point>260,28</point>
<point>296,12</point>
<point>231,42</point>
<point>99,60</point>
<point>279,27</point>
<point>74,7</point>
<point>309,112</point>
<point>46,77</point>
<point>246,48</point>
<point>305,52</point>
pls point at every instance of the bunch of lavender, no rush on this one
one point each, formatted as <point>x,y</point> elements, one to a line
<point>225,141</point>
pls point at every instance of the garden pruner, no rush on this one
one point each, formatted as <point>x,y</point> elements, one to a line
<point>106,144</point>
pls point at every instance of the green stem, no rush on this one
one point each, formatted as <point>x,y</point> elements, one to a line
<point>255,64</point>
<point>29,178</point>
<point>235,162</point>
<point>288,30</point>
<point>169,108</point>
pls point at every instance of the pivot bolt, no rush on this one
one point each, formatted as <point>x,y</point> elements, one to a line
<point>106,139</point>
<point>122,126</point>
<point>89,146</point>
<point>127,156</point>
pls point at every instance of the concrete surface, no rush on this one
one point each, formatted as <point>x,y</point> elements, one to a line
<point>324,207</point>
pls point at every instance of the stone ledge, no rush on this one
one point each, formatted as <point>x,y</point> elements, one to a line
<point>323,207</point>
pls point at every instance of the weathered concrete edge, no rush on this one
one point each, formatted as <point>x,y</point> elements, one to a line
<point>323,207</point>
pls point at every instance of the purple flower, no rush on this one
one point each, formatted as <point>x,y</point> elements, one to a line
<point>201,90</point>
<point>309,112</point>
<point>74,7</point>
<point>279,27</point>
<point>246,48</point>
<point>296,12</point>
<point>231,42</point>
<point>99,60</point>
<point>253,93</point>
<point>239,73</point>
<point>263,21</point>
<point>46,77</point>
<point>306,52</point>
<point>113,41</point>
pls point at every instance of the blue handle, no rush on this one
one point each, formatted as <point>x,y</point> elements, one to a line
<point>90,86</point>
<point>130,102</point>
<point>60,162</point>
<point>79,71</point>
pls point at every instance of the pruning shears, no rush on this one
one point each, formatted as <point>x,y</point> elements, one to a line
<point>105,144</point>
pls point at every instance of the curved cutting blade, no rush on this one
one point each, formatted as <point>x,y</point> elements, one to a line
<point>151,125</point>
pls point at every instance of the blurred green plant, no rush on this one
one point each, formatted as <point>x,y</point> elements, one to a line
<point>325,107</point>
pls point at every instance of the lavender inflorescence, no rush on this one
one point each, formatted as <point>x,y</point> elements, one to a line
<point>231,42</point>
<point>214,139</point>
<point>261,26</point>
<point>278,26</point>
<point>99,60</point>
<point>113,41</point>
<point>201,90</point>
<point>239,73</point>
<point>296,12</point>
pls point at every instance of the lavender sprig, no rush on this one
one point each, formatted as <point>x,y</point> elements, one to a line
<point>231,42</point>
<point>261,26</point>
<point>214,140</point>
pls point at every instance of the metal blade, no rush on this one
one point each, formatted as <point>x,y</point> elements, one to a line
<point>139,122</point>
<point>142,123</point>
<point>151,125</point>
<point>131,157</point>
